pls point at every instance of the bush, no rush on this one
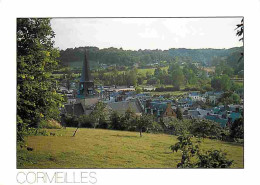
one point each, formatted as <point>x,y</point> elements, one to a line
<point>155,128</point>
<point>237,129</point>
<point>36,132</point>
<point>85,121</point>
<point>193,157</point>
<point>71,121</point>
<point>192,89</point>
<point>162,89</point>
<point>205,128</point>
<point>213,159</point>
<point>178,127</point>
<point>50,124</point>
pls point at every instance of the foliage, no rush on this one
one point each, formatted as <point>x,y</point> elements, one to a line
<point>193,157</point>
<point>229,98</point>
<point>115,121</point>
<point>237,129</point>
<point>49,124</point>
<point>179,113</point>
<point>138,90</point>
<point>37,99</point>
<point>98,115</point>
<point>188,151</point>
<point>143,122</point>
<point>85,121</point>
<point>121,57</point>
<point>179,127</point>
<point>219,83</point>
<point>240,30</point>
<point>177,75</point>
<point>71,121</point>
<point>205,128</point>
<point>213,159</point>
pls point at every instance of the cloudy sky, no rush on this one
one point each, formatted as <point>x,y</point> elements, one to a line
<point>146,33</point>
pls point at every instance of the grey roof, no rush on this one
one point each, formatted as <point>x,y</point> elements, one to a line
<point>78,109</point>
<point>121,107</point>
<point>194,113</point>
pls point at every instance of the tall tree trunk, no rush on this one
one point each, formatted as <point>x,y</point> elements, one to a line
<point>140,132</point>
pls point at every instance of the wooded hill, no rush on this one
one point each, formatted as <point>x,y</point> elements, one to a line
<point>122,57</point>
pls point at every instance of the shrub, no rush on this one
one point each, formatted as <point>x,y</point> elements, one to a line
<point>193,157</point>
<point>178,127</point>
<point>237,129</point>
<point>71,121</point>
<point>50,124</point>
<point>85,121</point>
<point>213,159</point>
<point>205,128</point>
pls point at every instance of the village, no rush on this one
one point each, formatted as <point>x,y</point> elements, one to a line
<point>193,105</point>
<point>111,106</point>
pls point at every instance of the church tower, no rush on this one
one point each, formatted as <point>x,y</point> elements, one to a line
<point>86,84</point>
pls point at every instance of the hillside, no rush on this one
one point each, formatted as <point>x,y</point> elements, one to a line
<point>96,148</point>
<point>113,56</point>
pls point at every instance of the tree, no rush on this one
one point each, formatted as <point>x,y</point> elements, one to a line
<point>225,83</point>
<point>98,115</point>
<point>205,128</point>
<point>37,99</point>
<point>177,75</point>
<point>193,157</point>
<point>138,90</point>
<point>179,113</point>
<point>115,119</point>
<point>143,122</point>
<point>229,98</point>
<point>237,129</point>
<point>240,33</point>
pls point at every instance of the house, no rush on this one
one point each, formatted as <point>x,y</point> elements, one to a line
<point>195,96</point>
<point>198,113</point>
<point>122,106</point>
<point>159,109</point>
<point>185,102</point>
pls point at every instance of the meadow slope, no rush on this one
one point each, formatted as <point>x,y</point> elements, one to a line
<point>97,148</point>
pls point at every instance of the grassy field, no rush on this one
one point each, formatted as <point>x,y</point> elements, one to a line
<point>97,148</point>
<point>172,93</point>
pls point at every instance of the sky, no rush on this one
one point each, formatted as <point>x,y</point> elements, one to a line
<point>146,33</point>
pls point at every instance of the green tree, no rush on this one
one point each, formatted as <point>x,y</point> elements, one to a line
<point>143,123</point>
<point>205,128</point>
<point>37,99</point>
<point>138,90</point>
<point>194,157</point>
<point>115,120</point>
<point>179,113</point>
<point>225,83</point>
<point>237,129</point>
<point>98,115</point>
<point>177,75</point>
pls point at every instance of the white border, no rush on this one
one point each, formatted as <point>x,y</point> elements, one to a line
<point>10,10</point>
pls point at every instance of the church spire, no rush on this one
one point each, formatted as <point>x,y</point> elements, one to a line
<point>86,85</point>
<point>86,75</point>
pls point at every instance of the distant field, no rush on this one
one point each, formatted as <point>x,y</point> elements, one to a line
<point>151,70</point>
<point>97,148</point>
<point>172,93</point>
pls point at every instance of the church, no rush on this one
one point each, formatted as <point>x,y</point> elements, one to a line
<point>86,97</point>
<point>86,84</point>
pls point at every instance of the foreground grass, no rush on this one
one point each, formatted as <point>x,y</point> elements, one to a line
<point>97,148</point>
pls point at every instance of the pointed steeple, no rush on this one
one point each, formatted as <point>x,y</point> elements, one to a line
<point>86,85</point>
<point>86,75</point>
